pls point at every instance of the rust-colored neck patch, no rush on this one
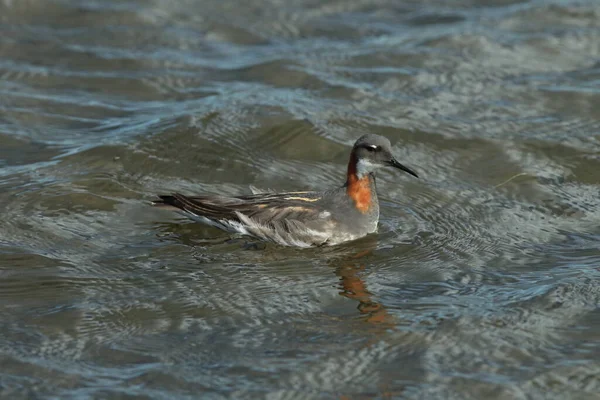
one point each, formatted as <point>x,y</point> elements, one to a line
<point>358,188</point>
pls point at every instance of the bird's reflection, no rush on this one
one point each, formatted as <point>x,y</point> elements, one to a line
<point>351,269</point>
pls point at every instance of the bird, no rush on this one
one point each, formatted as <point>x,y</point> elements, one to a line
<point>304,218</point>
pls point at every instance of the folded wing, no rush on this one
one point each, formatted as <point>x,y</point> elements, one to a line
<point>292,219</point>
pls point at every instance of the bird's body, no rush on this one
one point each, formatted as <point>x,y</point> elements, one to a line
<point>301,219</point>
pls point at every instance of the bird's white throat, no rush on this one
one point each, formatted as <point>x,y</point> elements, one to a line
<point>364,167</point>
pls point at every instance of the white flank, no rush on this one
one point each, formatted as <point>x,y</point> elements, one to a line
<point>298,236</point>
<point>324,214</point>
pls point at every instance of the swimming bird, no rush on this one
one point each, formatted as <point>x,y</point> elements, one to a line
<point>301,219</point>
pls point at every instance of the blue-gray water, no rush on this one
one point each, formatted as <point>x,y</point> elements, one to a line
<point>484,278</point>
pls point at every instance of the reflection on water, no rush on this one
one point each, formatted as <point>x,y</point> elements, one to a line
<point>350,270</point>
<point>481,283</point>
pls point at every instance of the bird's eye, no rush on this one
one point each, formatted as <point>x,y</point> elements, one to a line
<point>372,148</point>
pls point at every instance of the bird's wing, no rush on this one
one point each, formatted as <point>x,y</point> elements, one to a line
<point>265,207</point>
<point>293,218</point>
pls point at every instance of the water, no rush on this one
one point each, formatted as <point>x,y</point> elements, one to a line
<point>483,281</point>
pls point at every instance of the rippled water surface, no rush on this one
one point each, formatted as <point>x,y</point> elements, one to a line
<point>483,281</point>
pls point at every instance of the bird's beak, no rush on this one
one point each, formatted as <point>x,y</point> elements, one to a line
<point>394,163</point>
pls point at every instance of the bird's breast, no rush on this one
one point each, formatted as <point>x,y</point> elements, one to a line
<point>361,192</point>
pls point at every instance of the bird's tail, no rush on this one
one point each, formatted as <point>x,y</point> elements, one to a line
<point>168,202</point>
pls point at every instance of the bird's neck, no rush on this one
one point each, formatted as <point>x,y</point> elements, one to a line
<point>360,186</point>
